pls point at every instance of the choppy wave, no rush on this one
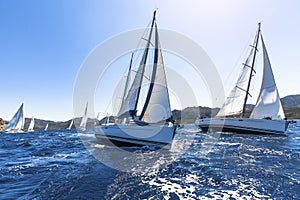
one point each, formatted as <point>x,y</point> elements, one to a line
<point>63,165</point>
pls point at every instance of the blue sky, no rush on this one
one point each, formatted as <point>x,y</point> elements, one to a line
<point>43,43</point>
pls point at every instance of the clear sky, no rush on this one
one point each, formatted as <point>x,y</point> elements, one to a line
<point>43,43</point>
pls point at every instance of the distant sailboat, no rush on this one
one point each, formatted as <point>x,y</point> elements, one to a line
<point>71,124</point>
<point>16,124</point>
<point>267,116</point>
<point>46,128</point>
<point>84,119</point>
<point>31,125</point>
<point>154,125</point>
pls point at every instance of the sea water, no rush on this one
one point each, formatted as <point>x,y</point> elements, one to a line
<point>62,165</point>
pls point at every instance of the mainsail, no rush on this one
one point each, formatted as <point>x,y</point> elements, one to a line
<point>31,125</point>
<point>156,107</point>
<point>131,101</point>
<point>268,103</point>
<point>17,121</point>
<point>235,103</point>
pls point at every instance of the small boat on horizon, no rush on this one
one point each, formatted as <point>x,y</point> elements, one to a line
<point>70,125</point>
<point>84,119</point>
<point>16,124</point>
<point>31,125</point>
<point>267,116</point>
<point>46,128</point>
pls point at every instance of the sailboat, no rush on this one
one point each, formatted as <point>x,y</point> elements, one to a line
<point>46,128</point>
<point>16,124</point>
<point>82,125</point>
<point>267,116</point>
<point>31,125</point>
<point>153,125</point>
<point>71,124</point>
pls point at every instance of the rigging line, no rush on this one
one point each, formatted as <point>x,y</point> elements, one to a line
<point>147,41</point>
<point>228,80</point>
<point>139,46</point>
<point>144,60</point>
<point>141,73</point>
<point>244,90</point>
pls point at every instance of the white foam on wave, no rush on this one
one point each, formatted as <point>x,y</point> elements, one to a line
<point>244,191</point>
<point>265,151</point>
<point>183,187</point>
<point>86,135</point>
<point>228,143</point>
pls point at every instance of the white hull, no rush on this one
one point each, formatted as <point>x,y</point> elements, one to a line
<point>14,131</point>
<point>243,125</point>
<point>135,135</point>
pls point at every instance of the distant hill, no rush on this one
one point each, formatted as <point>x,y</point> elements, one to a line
<point>291,106</point>
<point>2,124</point>
<point>291,101</point>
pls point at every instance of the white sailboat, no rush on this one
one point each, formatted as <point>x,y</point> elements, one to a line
<point>71,124</point>
<point>31,125</point>
<point>267,116</point>
<point>46,128</point>
<point>154,125</point>
<point>82,125</point>
<point>16,124</point>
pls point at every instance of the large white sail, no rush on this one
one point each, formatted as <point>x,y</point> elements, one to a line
<point>125,102</point>
<point>84,118</point>
<point>17,121</point>
<point>31,125</point>
<point>157,104</point>
<point>130,102</point>
<point>235,101</point>
<point>268,103</point>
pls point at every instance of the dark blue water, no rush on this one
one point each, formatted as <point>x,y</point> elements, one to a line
<point>57,165</point>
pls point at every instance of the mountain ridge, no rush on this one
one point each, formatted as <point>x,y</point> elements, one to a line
<point>290,104</point>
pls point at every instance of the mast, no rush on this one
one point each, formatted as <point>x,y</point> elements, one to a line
<point>143,62</point>
<point>251,72</point>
